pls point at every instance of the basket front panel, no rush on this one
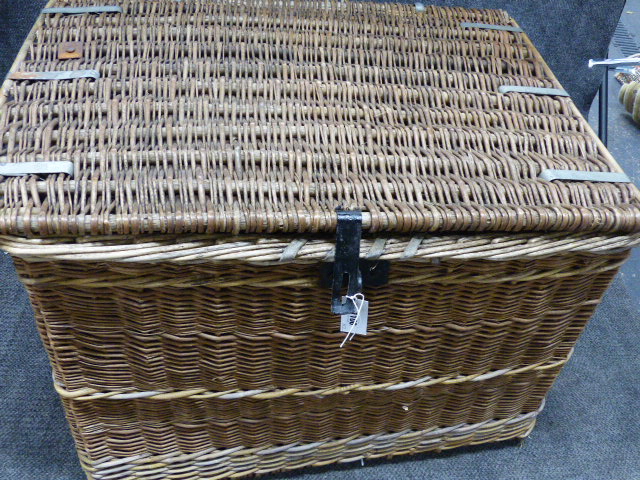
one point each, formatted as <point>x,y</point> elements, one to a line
<point>131,327</point>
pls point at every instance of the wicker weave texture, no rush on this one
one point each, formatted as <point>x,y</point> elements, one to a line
<point>195,362</point>
<point>212,464</point>
<point>265,116</point>
<point>176,276</point>
<point>222,326</point>
<point>124,428</point>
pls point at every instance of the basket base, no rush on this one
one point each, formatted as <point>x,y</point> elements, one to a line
<point>215,464</point>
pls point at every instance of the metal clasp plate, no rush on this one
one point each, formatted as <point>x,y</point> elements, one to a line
<point>346,261</point>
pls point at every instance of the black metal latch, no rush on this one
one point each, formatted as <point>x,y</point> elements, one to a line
<point>347,266</point>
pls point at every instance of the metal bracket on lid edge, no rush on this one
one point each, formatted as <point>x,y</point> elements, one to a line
<point>556,92</point>
<point>488,26</point>
<point>55,75</point>
<point>584,176</point>
<point>20,169</point>
<point>81,10</point>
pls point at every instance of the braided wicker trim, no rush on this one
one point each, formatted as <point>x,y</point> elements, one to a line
<point>201,394</point>
<point>201,249</point>
<point>236,462</point>
<point>274,279</point>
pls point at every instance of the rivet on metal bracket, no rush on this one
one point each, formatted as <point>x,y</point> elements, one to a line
<point>70,50</point>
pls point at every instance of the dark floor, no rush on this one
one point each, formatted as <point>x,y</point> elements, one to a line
<point>590,428</point>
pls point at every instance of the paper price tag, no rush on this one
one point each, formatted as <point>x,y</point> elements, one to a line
<point>355,323</point>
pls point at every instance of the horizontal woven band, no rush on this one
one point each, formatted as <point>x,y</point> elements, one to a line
<point>211,221</point>
<point>487,26</point>
<point>92,394</point>
<point>578,176</point>
<point>556,92</point>
<point>238,461</point>
<point>79,10</point>
<point>35,168</point>
<point>55,75</point>
<point>274,279</point>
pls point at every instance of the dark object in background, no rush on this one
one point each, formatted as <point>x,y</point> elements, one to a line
<point>567,32</point>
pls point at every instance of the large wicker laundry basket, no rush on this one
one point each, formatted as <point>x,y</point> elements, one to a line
<point>201,196</point>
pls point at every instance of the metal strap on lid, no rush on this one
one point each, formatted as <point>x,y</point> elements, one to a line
<point>55,75</point>
<point>35,168</point>
<point>557,92</point>
<point>80,10</point>
<point>420,7</point>
<point>582,176</point>
<point>488,26</point>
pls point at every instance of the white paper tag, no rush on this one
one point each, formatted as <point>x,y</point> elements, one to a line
<point>360,319</point>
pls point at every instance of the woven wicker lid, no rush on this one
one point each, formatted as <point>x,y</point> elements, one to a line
<point>266,116</point>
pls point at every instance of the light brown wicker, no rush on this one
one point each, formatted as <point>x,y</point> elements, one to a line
<point>175,276</point>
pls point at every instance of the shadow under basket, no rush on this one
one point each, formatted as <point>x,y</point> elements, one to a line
<point>184,185</point>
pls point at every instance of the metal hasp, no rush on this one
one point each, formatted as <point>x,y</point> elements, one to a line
<point>375,273</point>
<point>347,260</point>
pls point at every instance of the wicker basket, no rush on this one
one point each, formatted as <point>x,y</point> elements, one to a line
<point>184,200</point>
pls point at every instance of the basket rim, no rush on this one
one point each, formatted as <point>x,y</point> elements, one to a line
<point>278,250</point>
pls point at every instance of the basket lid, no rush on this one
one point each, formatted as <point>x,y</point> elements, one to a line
<point>266,116</point>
